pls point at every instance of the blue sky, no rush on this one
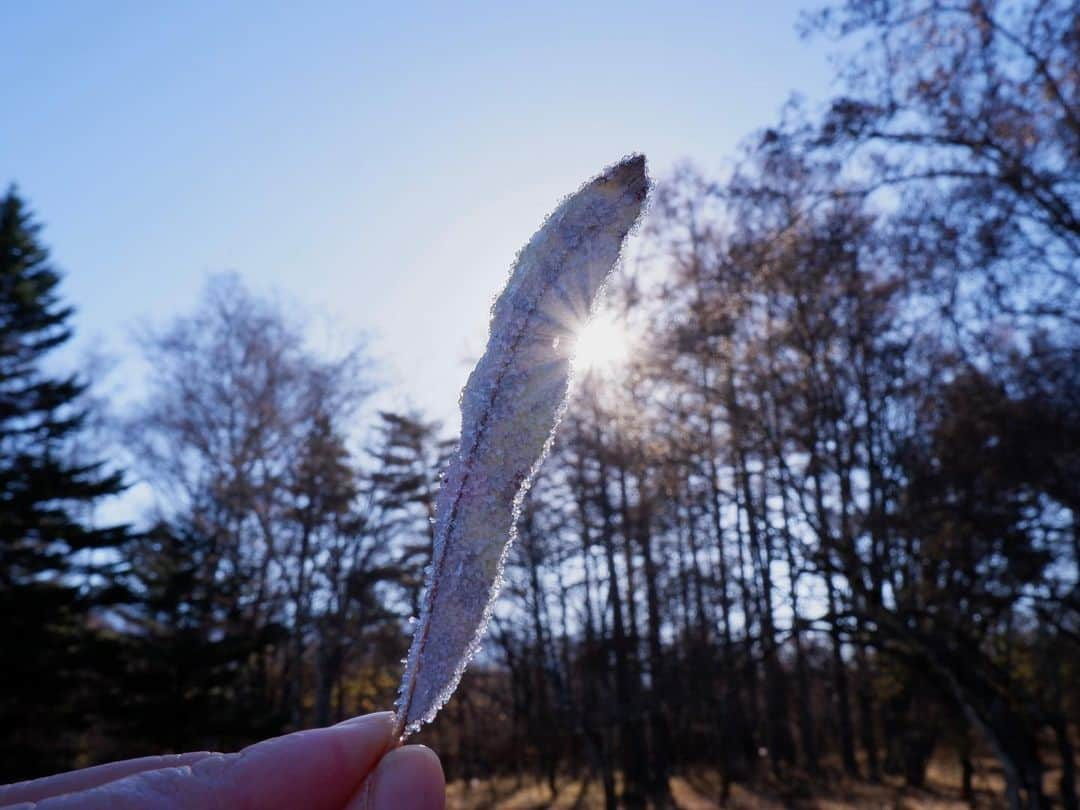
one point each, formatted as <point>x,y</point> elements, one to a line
<point>378,163</point>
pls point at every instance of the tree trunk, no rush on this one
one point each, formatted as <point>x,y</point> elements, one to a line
<point>660,738</point>
<point>840,682</point>
<point>632,752</point>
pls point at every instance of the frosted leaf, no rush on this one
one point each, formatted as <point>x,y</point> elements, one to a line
<point>509,409</point>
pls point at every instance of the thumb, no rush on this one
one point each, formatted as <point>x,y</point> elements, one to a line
<point>406,777</point>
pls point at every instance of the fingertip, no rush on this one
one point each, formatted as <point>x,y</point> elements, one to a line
<point>365,739</point>
<point>320,768</point>
<point>411,777</point>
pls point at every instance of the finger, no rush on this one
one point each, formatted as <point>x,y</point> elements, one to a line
<point>34,790</point>
<point>407,777</point>
<point>317,769</point>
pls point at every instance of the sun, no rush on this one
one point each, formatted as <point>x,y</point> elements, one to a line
<point>601,346</point>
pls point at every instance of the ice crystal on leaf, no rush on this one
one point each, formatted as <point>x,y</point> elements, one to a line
<point>509,409</point>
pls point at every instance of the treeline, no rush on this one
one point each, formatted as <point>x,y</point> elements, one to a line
<point>825,521</point>
<point>267,584</point>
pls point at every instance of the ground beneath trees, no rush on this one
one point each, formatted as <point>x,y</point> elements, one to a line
<point>702,792</point>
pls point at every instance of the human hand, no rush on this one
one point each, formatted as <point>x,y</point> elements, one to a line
<point>355,765</point>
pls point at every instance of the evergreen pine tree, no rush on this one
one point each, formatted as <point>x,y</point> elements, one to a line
<point>409,458</point>
<point>183,683</point>
<point>53,570</point>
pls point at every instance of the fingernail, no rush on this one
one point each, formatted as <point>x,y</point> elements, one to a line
<point>365,719</point>
<point>407,777</point>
